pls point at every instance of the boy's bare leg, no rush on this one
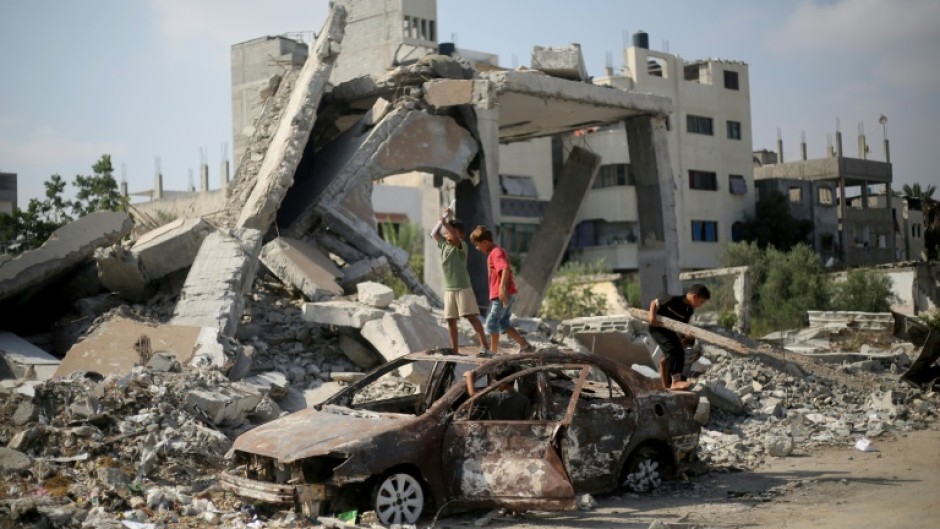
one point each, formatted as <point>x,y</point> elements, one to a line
<point>494,343</point>
<point>514,334</point>
<point>452,328</point>
<point>478,327</point>
<point>664,373</point>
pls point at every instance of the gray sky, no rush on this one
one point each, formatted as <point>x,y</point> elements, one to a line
<point>145,78</point>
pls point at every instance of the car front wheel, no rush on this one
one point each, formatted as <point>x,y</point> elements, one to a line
<point>398,498</point>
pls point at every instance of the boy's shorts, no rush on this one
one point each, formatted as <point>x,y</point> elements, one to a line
<point>673,354</point>
<point>460,303</point>
<point>497,319</point>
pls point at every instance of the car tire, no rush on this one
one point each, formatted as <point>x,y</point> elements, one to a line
<point>398,498</point>
<point>643,471</point>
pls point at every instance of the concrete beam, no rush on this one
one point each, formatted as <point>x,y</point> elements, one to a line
<point>404,140</point>
<point>554,231</point>
<point>68,247</point>
<point>223,272</point>
<point>303,267</point>
<point>280,163</point>
<point>658,255</point>
<point>566,62</point>
<point>22,360</point>
<point>118,345</point>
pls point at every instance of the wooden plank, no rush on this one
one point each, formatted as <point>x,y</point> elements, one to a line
<point>698,333</point>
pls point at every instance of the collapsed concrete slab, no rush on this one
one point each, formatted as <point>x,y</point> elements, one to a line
<point>396,335</point>
<point>22,360</point>
<point>565,62</point>
<point>119,344</point>
<point>258,204</point>
<point>555,230</point>
<point>359,354</point>
<point>303,267</point>
<point>340,313</point>
<point>223,272</point>
<point>157,254</point>
<point>66,248</point>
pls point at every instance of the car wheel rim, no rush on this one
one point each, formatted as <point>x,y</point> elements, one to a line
<point>399,499</point>
<point>645,477</point>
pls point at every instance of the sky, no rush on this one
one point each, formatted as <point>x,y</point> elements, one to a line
<point>138,79</point>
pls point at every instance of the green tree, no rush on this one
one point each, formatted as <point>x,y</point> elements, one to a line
<point>408,237</point>
<point>99,191</point>
<point>570,295</point>
<point>931,210</point>
<point>863,289</point>
<point>773,225</point>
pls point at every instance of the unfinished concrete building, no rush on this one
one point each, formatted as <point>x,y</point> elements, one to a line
<point>848,200</point>
<point>7,192</point>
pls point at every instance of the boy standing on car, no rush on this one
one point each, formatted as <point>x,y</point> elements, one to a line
<point>459,300</point>
<point>502,290</point>
<point>679,308</point>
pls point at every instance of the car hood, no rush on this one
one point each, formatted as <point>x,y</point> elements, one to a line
<point>310,432</point>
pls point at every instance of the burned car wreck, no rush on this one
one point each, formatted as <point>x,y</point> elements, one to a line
<point>408,436</point>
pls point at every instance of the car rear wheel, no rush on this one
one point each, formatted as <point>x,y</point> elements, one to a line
<point>398,498</point>
<point>643,471</point>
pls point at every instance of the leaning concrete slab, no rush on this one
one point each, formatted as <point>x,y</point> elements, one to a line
<point>20,359</point>
<point>170,247</point>
<point>658,256</point>
<point>554,231</point>
<point>276,174</point>
<point>213,294</point>
<point>68,246</point>
<point>119,344</point>
<point>303,267</point>
<point>396,335</point>
<point>565,62</point>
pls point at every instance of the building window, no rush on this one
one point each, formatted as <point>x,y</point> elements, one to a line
<point>516,237</point>
<point>731,80</point>
<point>432,31</point>
<point>424,29</point>
<point>796,194</point>
<point>699,125</point>
<point>737,185</point>
<point>704,230</point>
<point>406,27</point>
<point>703,180</point>
<point>615,174</point>
<point>734,130</point>
<point>518,186</point>
<point>656,67</point>
<point>825,196</point>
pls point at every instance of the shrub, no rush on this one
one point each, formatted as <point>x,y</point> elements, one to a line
<point>570,296</point>
<point>865,290</point>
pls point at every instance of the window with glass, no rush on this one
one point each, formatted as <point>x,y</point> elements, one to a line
<point>825,196</point>
<point>731,80</point>
<point>700,125</point>
<point>705,230</point>
<point>615,174</point>
<point>737,185</point>
<point>734,130</point>
<point>516,238</point>
<point>796,194</point>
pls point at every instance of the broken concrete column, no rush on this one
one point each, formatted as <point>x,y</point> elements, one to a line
<point>22,360</point>
<point>66,248</point>
<point>555,230</point>
<point>224,269</point>
<point>303,267</point>
<point>567,62</point>
<point>259,208</point>
<point>658,256</point>
<point>375,294</point>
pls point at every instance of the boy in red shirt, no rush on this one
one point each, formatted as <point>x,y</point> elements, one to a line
<point>502,290</point>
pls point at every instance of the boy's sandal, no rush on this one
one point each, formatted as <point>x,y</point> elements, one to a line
<point>529,348</point>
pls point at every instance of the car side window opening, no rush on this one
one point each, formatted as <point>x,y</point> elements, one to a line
<point>517,396</point>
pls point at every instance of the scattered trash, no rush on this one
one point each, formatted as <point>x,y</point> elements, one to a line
<point>864,445</point>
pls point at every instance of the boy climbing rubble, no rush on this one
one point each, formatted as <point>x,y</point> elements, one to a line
<point>459,300</point>
<point>679,308</point>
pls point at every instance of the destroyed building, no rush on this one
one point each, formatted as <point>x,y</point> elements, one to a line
<point>134,354</point>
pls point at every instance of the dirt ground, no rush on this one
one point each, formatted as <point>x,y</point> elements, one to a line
<point>896,487</point>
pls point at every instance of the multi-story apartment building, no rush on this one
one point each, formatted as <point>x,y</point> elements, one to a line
<point>7,192</point>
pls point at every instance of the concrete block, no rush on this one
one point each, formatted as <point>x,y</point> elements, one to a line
<point>68,247</point>
<point>303,267</point>
<point>223,272</point>
<point>723,398</point>
<point>244,359</point>
<point>12,461</point>
<point>164,361</point>
<point>778,445</point>
<point>567,62</point>
<point>324,391</point>
<point>228,405</point>
<point>396,335</point>
<point>209,350</point>
<point>359,354</point>
<point>22,360</point>
<point>119,344</point>
<point>271,383</point>
<point>340,313</point>
<point>120,272</point>
<point>375,294</point>
<point>170,247</point>
<point>26,412</point>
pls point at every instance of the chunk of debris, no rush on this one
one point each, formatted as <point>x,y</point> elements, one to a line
<point>20,359</point>
<point>340,313</point>
<point>303,267</point>
<point>375,294</point>
<point>567,62</point>
<point>229,405</point>
<point>396,335</point>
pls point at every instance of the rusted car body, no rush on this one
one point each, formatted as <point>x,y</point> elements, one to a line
<point>391,445</point>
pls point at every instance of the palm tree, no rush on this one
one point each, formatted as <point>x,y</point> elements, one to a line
<point>931,210</point>
<point>915,191</point>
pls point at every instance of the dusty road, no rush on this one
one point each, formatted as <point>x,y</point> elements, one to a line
<point>896,487</point>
